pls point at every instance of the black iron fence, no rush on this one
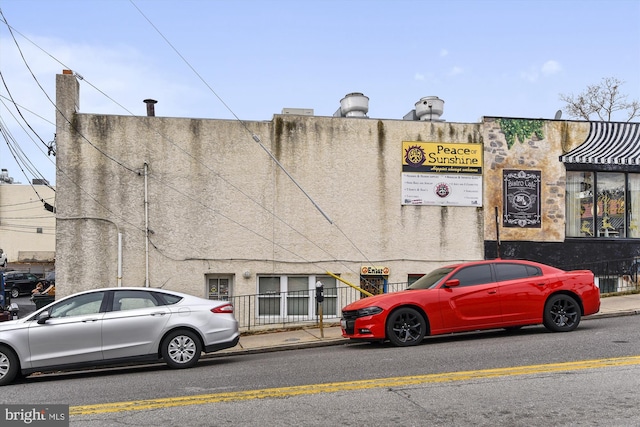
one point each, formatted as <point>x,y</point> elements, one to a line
<point>274,309</point>
<point>612,275</point>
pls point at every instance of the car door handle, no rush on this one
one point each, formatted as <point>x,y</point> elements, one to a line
<point>89,320</point>
<point>493,291</point>
<point>160,313</point>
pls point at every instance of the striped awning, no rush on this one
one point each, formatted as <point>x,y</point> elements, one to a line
<point>608,144</point>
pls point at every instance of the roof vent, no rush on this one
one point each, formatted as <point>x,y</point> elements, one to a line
<point>151,110</point>
<point>353,105</point>
<point>429,109</point>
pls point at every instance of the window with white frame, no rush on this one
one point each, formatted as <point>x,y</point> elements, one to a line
<point>294,296</point>
<point>218,288</point>
<point>269,296</point>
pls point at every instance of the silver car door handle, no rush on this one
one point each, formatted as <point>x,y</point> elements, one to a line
<point>160,313</point>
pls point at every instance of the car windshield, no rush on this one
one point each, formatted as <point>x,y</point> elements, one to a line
<point>430,280</point>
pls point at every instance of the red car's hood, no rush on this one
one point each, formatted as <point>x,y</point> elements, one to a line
<point>382,299</point>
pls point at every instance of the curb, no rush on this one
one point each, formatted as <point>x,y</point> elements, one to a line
<point>338,341</point>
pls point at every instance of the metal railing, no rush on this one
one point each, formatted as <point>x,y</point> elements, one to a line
<point>621,275</point>
<point>269,310</point>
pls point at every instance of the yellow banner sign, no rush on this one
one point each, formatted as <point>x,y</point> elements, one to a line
<point>437,157</point>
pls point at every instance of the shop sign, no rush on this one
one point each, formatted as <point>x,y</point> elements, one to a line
<point>371,270</point>
<point>521,198</point>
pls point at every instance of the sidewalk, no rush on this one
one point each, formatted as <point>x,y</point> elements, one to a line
<point>624,305</point>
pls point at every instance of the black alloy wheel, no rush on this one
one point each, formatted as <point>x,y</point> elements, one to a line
<point>561,313</point>
<point>405,327</point>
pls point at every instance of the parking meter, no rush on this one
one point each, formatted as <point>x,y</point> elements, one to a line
<point>319,299</point>
<point>319,292</point>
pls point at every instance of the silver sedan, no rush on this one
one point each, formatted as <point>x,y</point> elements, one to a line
<point>116,325</point>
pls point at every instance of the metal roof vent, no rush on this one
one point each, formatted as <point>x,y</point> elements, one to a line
<point>353,105</point>
<point>429,109</point>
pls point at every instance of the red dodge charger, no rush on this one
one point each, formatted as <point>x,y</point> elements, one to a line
<point>472,296</point>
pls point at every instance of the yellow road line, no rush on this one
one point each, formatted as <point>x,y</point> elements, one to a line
<point>140,405</point>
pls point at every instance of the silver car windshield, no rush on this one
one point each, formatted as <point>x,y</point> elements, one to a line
<point>430,280</point>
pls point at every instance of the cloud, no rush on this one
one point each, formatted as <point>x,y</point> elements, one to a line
<point>456,71</point>
<point>419,76</point>
<point>530,75</point>
<point>444,52</point>
<point>551,67</point>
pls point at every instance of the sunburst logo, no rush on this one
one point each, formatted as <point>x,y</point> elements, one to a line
<point>414,156</point>
<point>442,190</point>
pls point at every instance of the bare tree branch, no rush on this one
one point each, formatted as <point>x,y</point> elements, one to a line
<point>603,100</point>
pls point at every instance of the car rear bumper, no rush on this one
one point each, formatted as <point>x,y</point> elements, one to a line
<point>221,346</point>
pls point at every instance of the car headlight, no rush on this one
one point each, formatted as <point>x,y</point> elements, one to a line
<point>368,311</point>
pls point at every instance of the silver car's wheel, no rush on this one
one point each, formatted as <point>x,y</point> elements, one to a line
<point>8,365</point>
<point>181,349</point>
<point>15,292</point>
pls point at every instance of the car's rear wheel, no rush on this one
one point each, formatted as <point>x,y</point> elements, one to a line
<point>9,365</point>
<point>15,292</point>
<point>561,313</point>
<point>406,326</point>
<point>181,349</point>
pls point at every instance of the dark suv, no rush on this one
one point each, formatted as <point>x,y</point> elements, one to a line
<point>20,282</point>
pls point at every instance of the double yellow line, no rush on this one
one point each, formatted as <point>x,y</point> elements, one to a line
<point>142,405</point>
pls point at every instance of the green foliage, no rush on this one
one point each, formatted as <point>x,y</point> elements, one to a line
<point>522,129</point>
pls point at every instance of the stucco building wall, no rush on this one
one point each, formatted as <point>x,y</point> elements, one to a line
<point>217,203</point>
<point>27,230</point>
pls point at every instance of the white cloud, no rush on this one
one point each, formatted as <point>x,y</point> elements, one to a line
<point>444,52</point>
<point>530,76</point>
<point>456,71</point>
<point>419,76</point>
<point>551,67</point>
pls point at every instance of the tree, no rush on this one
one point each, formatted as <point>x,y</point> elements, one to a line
<point>602,100</point>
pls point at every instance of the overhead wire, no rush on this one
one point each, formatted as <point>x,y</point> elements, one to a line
<point>195,199</point>
<point>244,125</point>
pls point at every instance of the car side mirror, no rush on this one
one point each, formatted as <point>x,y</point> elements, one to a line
<point>43,317</point>
<point>452,283</point>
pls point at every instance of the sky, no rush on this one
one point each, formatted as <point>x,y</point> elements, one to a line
<point>249,59</point>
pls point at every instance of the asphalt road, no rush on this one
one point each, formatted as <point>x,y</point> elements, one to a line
<point>529,377</point>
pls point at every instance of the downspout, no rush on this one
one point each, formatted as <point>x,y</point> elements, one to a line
<point>146,226</point>
<point>119,279</point>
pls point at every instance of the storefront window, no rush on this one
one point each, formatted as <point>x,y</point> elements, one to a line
<point>579,204</point>
<point>634,206</point>
<point>602,204</point>
<point>610,214</point>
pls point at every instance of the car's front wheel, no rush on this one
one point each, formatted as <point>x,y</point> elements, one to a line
<point>181,349</point>
<point>15,292</point>
<point>9,365</point>
<point>406,326</point>
<point>561,313</point>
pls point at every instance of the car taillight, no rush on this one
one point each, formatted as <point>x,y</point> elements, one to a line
<point>227,308</point>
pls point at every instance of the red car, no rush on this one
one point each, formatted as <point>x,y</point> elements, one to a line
<point>472,296</point>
